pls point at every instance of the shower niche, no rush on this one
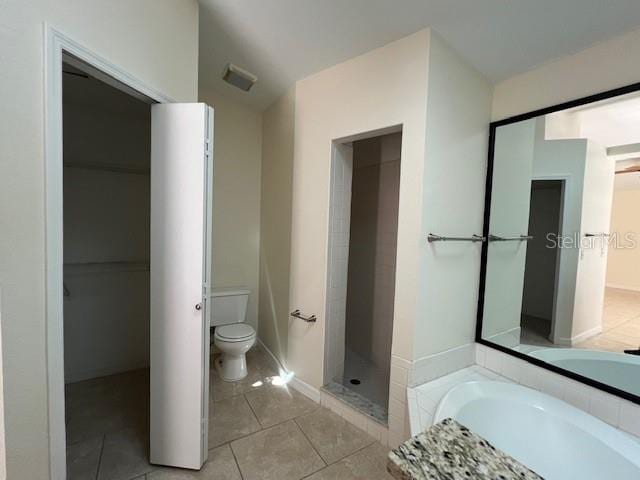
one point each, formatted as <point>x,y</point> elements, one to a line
<point>363,228</point>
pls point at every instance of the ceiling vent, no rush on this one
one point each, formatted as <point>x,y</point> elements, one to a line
<point>238,77</point>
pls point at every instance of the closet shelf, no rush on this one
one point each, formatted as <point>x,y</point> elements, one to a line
<point>105,267</point>
<point>108,167</point>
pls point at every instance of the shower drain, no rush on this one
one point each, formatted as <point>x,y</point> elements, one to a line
<point>354,381</point>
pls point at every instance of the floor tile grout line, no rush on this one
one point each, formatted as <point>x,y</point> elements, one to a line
<point>373,440</point>
<point>104,436</point>
<point>355,452</point>
<point>343,458</point>
<point>253,411</point>
<point>310,442</point>
<point>235,459</point>
<point>262,428</point>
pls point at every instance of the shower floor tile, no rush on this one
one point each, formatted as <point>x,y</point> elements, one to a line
<point>357,401</point>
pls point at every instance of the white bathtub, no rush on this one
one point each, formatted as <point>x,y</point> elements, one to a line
<point>615,369</point>
<point>554,439</point>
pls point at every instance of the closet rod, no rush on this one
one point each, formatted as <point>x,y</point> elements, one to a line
<point>79,268</point>
<point>105,167</point>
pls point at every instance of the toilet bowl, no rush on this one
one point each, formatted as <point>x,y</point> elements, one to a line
<point>234,341</point>
<point>231,335</point>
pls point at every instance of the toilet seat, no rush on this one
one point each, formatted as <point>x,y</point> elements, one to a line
<point>236,332</point>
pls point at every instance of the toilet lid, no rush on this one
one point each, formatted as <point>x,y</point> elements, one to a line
<point>235,331</point>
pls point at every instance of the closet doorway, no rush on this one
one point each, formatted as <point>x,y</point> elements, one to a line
<point>542,262</point>
<point>128,213</point>
<point>106,211</point>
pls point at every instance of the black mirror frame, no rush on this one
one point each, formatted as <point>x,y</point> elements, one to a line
<point>635,87</point>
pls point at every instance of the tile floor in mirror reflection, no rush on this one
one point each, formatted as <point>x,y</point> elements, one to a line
<point>620,322</point>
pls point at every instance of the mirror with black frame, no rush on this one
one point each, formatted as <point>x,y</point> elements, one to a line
<point>561,278</point>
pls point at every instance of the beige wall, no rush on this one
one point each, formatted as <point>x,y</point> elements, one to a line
<point>379,89</point>
<point>275,224</point>
<point>623,263</point>
<point>236,196</point>
<point>154,40</point>
<point>457,128</point>
<point>607,65</point>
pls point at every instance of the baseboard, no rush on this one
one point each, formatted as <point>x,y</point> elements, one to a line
<point>305,389</point>
<point>568,342</point>
<point>622,287</point>
<point>295,383</point>
<point>509,338</point>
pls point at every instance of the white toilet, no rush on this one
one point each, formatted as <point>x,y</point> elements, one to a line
<point>232,336</point>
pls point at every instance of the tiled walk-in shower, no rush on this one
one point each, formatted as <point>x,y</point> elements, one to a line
<point>363,233</point>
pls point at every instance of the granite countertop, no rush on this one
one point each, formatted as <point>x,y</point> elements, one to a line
<point>450,451</point>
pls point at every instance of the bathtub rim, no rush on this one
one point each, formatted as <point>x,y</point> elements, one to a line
<point>583,353</point>
<point>560,371</point>
<point>627,445</point>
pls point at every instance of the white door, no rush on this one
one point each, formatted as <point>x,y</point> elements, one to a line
<point>181,184</point>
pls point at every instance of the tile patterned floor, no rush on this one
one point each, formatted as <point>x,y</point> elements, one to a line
<point>620,323</point>
<point>258,430</point>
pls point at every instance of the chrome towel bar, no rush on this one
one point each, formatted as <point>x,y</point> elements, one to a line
<point>519,238</point>
<point>307,318</point>
<point>439,238</point>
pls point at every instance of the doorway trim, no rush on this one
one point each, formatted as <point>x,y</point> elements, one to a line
<point>58,46</point>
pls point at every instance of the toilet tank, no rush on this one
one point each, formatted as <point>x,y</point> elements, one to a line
<point>229,305</point>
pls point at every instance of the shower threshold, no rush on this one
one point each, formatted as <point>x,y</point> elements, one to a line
<point>358,402</point>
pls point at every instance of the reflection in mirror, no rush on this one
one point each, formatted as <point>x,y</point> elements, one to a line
<point>562,277</point>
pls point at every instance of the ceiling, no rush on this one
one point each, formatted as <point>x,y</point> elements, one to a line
<point>282,41</point>
<point>614,122</point>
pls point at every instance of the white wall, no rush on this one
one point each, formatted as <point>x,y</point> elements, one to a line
<point>566,160</point>
<point>623,263</point>
<point>339,233</point>
<point>457,129</point>
<point>275,223</point>
<point>154,40</point>
<point>236,196</point>
<point>604,66</point>
<point>596,218</point>
<point>106,219</point>
<point>588,177</point>
<point>510,196</point>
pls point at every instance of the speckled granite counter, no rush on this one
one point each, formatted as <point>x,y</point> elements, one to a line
<point>450,451</point>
